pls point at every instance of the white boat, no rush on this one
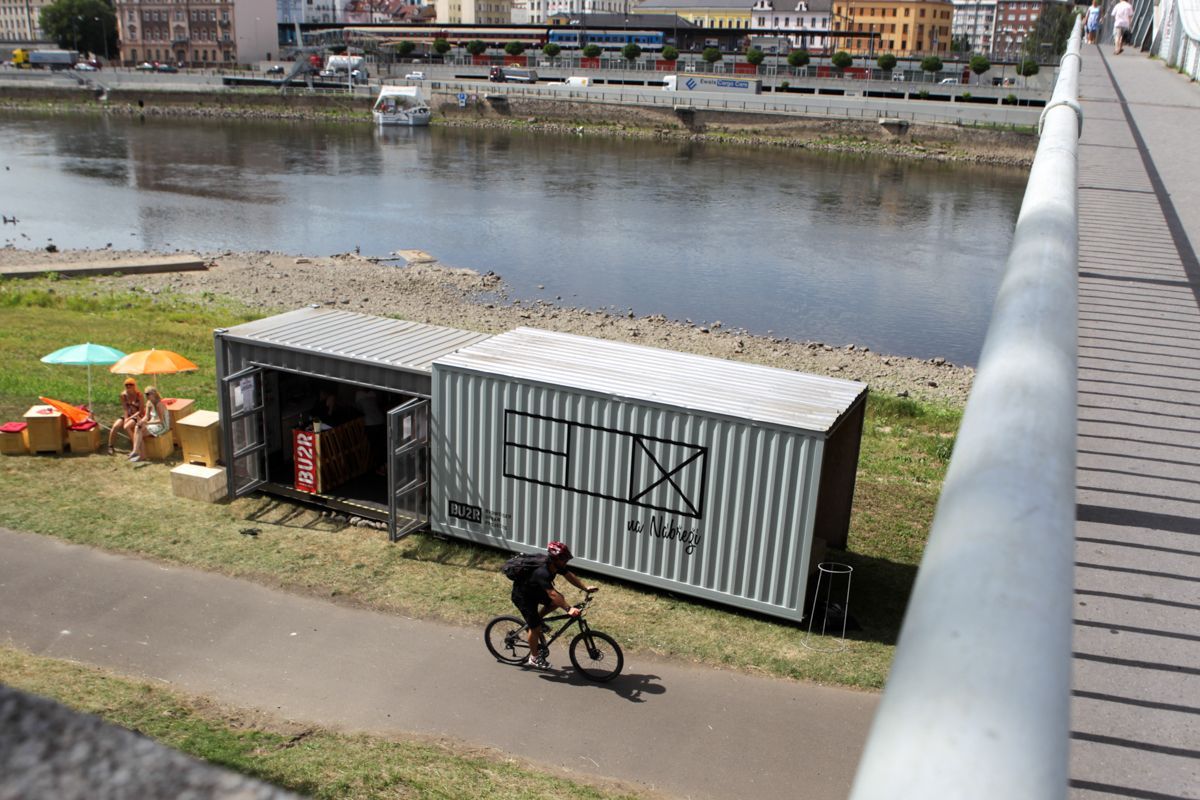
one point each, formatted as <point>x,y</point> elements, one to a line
<point>401,105</point>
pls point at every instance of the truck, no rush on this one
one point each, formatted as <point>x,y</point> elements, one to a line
<point>354,66</point>
<point>45,59</point>
<point>512,75</point>
<point>712,83</point>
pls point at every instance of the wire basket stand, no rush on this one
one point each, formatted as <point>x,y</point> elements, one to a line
<point>832,612</point>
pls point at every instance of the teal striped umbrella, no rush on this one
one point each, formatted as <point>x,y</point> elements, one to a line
<point>85,355</point>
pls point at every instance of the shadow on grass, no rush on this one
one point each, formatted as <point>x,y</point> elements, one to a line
<point>287,514</point>
<point>879,594</point>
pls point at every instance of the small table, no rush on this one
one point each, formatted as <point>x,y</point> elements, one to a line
<point>178,408</point>
<point>47,429</point>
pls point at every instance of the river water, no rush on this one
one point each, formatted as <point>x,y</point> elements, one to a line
<point>904,258</point>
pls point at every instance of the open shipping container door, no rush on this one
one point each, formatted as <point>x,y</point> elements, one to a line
<point>247,431</point>
<point>408,468</point>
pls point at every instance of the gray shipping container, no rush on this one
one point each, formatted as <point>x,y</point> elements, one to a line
<point>705,477</point>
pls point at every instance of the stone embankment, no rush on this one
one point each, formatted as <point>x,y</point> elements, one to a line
<point>996,147</point>
<point>426,291</point>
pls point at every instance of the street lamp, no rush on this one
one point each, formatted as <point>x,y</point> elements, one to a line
<point>103,35</point>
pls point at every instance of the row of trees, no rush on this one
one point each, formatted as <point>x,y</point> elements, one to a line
<point>796,58</point>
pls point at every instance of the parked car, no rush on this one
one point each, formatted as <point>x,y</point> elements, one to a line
<point>948,81</point>
<point>415,75</point>
<point>83,66</point>
<point>145,66</point>
<point>166,68</point>
<point>275,70</point>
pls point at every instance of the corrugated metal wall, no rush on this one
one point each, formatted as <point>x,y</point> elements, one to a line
<point>716,508</point>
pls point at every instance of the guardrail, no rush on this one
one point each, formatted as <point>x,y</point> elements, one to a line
<point>832,106</point>
<point>977,703</point>
<point>1177,39</point>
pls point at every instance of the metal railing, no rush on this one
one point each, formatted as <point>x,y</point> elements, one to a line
<point>1177,39</point>
<point>977,702</point>
<point>829,106</point>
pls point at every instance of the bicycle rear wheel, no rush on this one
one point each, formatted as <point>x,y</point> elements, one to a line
<point>597,656</point>
<point>505,638</point>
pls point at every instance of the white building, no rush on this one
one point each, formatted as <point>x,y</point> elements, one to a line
<point>795,19</point>
<point>976,20</point>
<point>19,20</point>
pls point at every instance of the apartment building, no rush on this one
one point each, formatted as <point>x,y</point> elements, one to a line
<point>197,33</point>
<point>975,21</point>
<point>904,27</point>
<point>801,21</point>
<point>19,20</point>
<point>474,12</point>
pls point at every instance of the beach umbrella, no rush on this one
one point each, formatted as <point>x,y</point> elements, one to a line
<point>85,355</point>
<point>152,362</point>
<point>74,414</point>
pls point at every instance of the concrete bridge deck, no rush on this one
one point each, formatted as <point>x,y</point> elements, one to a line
<point>1136,691</point>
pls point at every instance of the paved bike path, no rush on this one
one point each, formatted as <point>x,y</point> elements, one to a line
<point>681,730</point>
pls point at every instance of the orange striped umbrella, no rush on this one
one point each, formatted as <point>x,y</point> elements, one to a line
<point>152,362</point>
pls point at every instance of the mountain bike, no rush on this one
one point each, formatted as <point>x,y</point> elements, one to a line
<point>596,655</point>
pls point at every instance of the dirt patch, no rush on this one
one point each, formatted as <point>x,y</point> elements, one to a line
<point>424,290</point>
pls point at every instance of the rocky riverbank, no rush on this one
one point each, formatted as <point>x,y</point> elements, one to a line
<point>416,286</point>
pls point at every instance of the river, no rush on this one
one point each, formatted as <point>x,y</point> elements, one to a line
<point>901,257</point>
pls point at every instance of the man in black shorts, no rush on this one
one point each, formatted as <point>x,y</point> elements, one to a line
<point>538,590</point>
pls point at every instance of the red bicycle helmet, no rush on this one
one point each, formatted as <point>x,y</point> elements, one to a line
<point>559,550</point>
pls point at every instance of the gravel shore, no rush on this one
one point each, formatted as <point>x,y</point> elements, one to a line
<point>417,287</point>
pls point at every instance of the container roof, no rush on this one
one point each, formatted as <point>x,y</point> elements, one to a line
<point>697,383</point>
<point>411,346</point>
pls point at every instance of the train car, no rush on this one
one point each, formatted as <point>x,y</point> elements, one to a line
<point>606,39</point>
<point>532,36</point>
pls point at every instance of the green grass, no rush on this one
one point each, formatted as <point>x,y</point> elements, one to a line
<point>108,503</point>
<point>312,761</point>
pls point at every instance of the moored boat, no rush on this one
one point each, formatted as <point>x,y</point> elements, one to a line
<point>400,105</point>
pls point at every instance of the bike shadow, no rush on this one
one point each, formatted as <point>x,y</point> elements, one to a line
<point>630,686</point>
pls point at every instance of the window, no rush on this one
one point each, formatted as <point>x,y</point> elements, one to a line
<point>906,11</point>
<point>922,12</point>
<point>904,28</point>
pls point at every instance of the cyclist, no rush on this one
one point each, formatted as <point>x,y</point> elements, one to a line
<point>538,590</point>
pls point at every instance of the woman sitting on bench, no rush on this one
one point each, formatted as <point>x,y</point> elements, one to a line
<point>155,421</point>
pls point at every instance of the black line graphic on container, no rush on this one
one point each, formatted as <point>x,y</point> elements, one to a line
<point>523,439</point>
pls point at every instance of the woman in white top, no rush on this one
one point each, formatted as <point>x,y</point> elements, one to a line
<point>155,421</point>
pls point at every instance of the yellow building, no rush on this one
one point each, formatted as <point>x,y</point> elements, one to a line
<point>703,13</point>
<point>905,27</point>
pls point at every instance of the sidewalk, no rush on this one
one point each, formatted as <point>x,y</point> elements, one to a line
<point>1136,697</point>
<point>680,730</point>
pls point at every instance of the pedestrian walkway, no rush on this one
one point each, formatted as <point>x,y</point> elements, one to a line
<point>680,730</point>
<point>1135,710</point>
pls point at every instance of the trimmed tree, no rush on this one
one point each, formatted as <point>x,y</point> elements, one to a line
<point>514,48</point>
<point>841,60</point>
<point>931,64</point>
<point>886,62</point>
<point>476,47</point>
<point>755,56</point>
<point>631,52</point>
<point>592,51</point>
<point>669,53</point>
<point>798,58</point>
<point>979,65</point>
<point>711,54</point>
<point>441,46</point>
<point>405,49</point>
<point>1026,68</point>
<point>551,50</point>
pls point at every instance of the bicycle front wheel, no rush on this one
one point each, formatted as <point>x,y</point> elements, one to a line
<point>505,638</point>
<point>597,656</point>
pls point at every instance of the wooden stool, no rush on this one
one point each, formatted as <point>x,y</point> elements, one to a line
<point>158,448</point>
<point>14,438</point>
<point>179,409</point>
<point>206,484</point>
<point>47,429</point>
<point>83,437</point>
<point>200,438</point>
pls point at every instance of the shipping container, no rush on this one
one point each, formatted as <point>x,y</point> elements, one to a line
<point>369,377</point>
<point>712,478</point>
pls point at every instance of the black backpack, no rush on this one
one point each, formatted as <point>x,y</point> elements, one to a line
<point>520,567</point>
